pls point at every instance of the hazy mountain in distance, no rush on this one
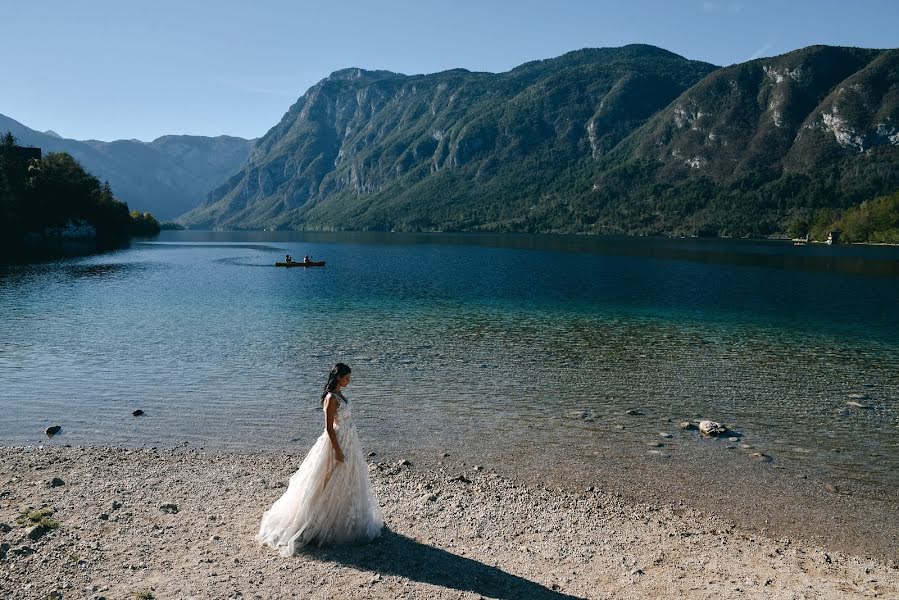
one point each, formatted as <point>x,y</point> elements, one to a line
<point>166,177</point>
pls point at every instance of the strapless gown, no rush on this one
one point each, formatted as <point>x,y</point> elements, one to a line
<point>326,502</point>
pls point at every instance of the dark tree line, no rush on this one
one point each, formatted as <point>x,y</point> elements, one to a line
<point>37,195</point>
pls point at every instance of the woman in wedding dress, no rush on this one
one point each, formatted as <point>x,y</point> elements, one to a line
<point>329,499</point>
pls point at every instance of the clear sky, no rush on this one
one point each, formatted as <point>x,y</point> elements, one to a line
<point>112,69</point>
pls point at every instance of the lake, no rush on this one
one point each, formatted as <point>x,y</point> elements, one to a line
<point>504,349</point>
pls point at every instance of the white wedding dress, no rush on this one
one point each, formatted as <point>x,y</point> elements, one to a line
<point>326,502</point>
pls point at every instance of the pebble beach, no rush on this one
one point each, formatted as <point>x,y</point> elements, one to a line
<point>95,522</point>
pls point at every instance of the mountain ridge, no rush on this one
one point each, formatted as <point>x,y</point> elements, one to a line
<point>166,176</point>
<point>360,132</point>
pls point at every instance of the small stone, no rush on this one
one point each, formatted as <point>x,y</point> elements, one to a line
<point>169,509</point>
<point>478,468</point>
<point>116,505</point>
<point>51,431</point>
<point>431,497</point>
<point>687,425</point>
<point>655,444</point>
<point>56,482</point>
<point>633,412</point>
<point>36,532</point>
<point>103,517</point>
<point>665,435</point>
<point>762,457</point>
<point>637,572</point>
<point>370,454</point>
<point>831,488</point>
<point>733,439</point>
<point>23,550</point>
<point>404,463</point>
<point>4,528</point>
<point>711,428</point>
<point>855,404</point>
<point>461,479</point>
<point>138,413</point>
<point>859,396</point>
<point>54,595</point>
<point>446,455</point>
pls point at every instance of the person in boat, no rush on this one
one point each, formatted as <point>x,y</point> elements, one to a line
<point>288,259</point>
<point>306,258</point>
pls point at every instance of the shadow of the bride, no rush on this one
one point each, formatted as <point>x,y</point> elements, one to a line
<point>396,554</point>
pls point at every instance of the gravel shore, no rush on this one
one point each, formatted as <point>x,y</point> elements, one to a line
<point>116,523</point>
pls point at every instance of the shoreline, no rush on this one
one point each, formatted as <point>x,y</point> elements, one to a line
<point>485,534</point>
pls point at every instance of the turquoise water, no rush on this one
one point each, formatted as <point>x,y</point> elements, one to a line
<point>501,345</point>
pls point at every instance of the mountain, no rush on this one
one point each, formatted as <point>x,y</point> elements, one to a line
<point>755,144</point>
<point>166,177</point>
<point>451,150</point>
<point>633,140</point>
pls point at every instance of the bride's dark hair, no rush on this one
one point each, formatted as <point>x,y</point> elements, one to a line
<point>336,373</point>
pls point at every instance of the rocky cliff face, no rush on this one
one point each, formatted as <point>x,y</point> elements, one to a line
<point>756,145</point>
<point>166,177</point>
<point>795,112</point>
<point>381,150</point>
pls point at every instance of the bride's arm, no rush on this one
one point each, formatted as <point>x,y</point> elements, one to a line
<point>330,412</point>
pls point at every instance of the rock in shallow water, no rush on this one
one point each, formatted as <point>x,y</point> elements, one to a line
<point>855,404</point>
<point>711,428</point>
<point>53,430</point>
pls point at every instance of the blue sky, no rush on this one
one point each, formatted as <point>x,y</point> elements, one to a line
<point>140,69</point>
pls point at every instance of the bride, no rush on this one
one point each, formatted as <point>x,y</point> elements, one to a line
<point>329,499</point>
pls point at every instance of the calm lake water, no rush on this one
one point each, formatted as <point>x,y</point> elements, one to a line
<point>493,346</point>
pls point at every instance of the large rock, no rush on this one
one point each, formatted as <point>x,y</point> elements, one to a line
<point>711,428</point>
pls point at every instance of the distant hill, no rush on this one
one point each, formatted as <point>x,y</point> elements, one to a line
<point>167,176</point>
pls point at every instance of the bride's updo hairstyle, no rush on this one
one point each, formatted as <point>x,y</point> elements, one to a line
<point>336,373</point>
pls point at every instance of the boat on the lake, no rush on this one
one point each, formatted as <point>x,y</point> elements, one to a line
<point>310,263</point>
